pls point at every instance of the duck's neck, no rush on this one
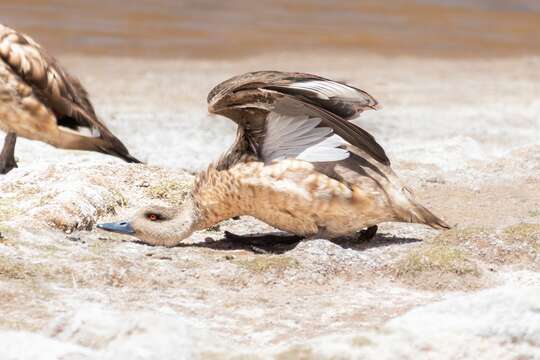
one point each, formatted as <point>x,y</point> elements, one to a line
<point>217,196</point>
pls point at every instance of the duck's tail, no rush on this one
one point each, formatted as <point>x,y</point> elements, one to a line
<point>407,209</point>
<point>420,214</point>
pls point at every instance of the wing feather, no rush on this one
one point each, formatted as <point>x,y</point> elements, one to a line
<point>299,113</point>
<point>350,132</point>
<point>326,151</point>
<point>343,100</point>
<point>300,137</point>
<point>326,89</point>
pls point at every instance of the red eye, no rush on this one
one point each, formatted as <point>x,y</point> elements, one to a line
<point>152,217</point>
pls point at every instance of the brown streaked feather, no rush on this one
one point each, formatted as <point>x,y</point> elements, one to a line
<point>61,92</point>
<point>241,94</point>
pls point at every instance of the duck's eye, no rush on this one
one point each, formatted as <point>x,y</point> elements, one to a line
<point>152,217</point>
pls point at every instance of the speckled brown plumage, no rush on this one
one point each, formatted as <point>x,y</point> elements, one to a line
<point>41,101</point>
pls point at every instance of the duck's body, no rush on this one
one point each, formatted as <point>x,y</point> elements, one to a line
<point>297,163</point>
<point>335,189</point>
<point>297,197</point>
<point>39,100</point>
<point>290,195</point>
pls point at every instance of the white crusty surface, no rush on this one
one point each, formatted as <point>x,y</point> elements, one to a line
<point>455,135</point>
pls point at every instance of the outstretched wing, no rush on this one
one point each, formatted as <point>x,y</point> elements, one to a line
<point>292,115</point>
<point>343,100</point>
<point>56,88</point>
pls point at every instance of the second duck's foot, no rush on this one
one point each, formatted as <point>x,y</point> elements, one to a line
<point>368,234</point>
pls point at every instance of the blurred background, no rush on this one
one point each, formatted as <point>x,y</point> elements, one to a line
<point>228,29</point>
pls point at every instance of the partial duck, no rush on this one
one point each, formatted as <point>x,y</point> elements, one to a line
<point>40,100</point>
<point>298,164</point>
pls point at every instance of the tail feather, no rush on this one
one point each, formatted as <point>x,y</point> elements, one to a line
<point>420,214</point>
<point>120,152</point>
<point>107,144</point>
<point>409,210</point>
<point>128,158</point>
<point>113,146</point>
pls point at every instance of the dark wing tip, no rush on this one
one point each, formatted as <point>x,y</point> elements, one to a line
<point>376,106</point>
<point>130,159</point>
<point>351,133</point>
<point>122,153</point>
<point>111,145</point>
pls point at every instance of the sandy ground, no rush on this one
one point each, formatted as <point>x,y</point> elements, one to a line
<point>462,134</point>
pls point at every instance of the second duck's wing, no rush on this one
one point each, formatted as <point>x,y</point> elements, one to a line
<point>293,115</point>
<point>57,89</point>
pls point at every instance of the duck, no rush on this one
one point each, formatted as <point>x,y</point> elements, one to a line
<point>298,163</point>
<point>40,100</point>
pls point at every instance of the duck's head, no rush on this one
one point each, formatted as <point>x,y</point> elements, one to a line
<point>156,225</point>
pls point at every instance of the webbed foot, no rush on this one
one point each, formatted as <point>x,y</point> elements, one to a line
<point>368,234</point>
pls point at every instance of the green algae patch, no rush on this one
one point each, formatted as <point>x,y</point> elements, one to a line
<point>518,244</point>
<point>14,269</point>
<point>462,236</point>
<point>172,191</point>
<point>528,234</point>
<point>265,264</point>
<point>440,258</point>
<point>11,269</point>
<point>521,245</point>
<point>438,267</point>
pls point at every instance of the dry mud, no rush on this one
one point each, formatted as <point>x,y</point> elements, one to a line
<point>462,134</point>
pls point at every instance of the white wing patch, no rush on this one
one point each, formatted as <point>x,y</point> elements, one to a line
<point>82,131</point>
<point>289,137</point>
<point>326,89</point>
<point>326,150</point>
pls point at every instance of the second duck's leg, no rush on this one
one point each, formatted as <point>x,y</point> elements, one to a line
<point>7,156</point>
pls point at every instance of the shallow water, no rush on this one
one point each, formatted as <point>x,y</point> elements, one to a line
<point>217,29</point>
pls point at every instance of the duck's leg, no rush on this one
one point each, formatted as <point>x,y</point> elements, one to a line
<point>368,234</point>
<point>7,156</point>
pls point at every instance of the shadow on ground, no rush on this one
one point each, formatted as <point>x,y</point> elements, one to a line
<point>279,243</point>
